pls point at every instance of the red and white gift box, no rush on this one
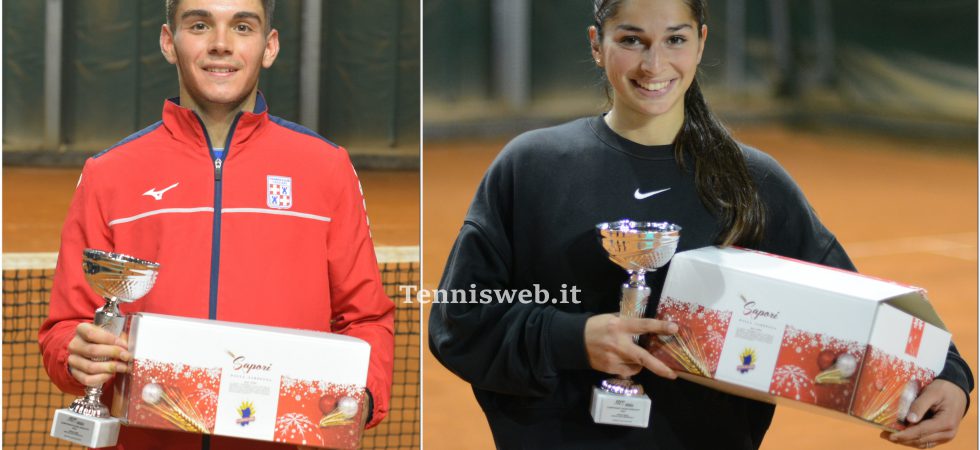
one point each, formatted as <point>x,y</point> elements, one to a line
<point>790,332</point>
<point>247,381</point>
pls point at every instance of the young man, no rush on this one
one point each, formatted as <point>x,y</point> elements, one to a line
<point>253,219</point>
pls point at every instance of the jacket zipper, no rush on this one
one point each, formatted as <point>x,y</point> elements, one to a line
<point>216,222</point>
<point>216,230</point>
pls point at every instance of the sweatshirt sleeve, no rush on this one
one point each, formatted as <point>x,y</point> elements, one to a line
<point>72,300</point>
<point>508,347</point>
<point>359,304</point>
<point>955,371</point>
<point>801,235</point>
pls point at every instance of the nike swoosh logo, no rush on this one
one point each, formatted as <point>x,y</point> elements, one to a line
<point>640,196</point>
<point>158,195</point>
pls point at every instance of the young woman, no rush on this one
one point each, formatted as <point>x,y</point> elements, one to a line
<point>657,155</point>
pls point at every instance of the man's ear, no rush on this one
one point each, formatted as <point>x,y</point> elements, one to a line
<point>167,44</point>
<point>271,48</point>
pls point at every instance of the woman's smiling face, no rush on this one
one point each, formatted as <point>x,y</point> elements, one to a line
<point>650,50</point>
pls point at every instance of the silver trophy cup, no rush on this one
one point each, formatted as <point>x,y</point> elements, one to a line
<point>117,278</point>
<point>637,247</point>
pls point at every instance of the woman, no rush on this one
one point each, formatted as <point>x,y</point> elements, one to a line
<point>657,155</point>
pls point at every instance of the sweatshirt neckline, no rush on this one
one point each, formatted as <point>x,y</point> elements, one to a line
<point>623,145</point>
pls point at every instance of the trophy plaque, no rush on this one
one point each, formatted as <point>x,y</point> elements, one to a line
<point>637,247</point>
<point>117,278</point>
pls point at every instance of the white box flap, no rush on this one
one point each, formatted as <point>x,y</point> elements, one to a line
<point>916,304</point>
<point>825,278</point>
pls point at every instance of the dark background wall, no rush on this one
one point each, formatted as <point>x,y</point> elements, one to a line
<point>887,63</point>
<point>114,79</point>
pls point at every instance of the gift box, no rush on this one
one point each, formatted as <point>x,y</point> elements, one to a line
<point>789,332</point>
<point>247,381</point>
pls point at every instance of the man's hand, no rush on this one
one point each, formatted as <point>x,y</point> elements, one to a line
<point>95,355</point>
<point>947,402</point>
<point>610,347</point>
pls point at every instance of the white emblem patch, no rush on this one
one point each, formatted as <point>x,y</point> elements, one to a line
<point>279,192</point>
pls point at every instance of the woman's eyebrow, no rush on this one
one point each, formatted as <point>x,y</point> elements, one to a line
<point>670,29</point>
<point>628,27</point>
<point>680,27</point>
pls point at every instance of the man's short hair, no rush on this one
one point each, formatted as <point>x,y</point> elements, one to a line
<point>268,5</point>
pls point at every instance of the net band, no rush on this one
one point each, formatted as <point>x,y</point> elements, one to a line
<point>40,261</point>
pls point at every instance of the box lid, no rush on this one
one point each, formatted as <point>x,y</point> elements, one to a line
<point>300,354</point>
<point>164,318</point>
<point>859,287</point>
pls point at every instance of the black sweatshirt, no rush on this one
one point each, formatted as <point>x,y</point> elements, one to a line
<point>531,223</point>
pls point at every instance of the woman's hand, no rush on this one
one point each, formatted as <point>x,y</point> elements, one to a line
<point>610,347</point>
<point>947,402</point>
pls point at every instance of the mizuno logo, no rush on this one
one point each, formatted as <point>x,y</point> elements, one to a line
<point>158,195</point>
<point>640,196</point>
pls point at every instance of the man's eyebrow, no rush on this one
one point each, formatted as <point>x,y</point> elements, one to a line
<point>195,13</point>
<point>203,13</point>
<point>244,15</point>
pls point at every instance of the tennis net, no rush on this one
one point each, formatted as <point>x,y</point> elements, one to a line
<point>29,397</point>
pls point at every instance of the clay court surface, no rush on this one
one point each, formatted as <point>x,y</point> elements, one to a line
<point>904,210</point>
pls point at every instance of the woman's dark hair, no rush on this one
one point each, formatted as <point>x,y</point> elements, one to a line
<point>720,172</point>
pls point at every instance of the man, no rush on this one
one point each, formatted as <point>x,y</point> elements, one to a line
<point>253,219</point>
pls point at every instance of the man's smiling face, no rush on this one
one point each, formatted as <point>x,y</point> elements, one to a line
<point>219,47</point>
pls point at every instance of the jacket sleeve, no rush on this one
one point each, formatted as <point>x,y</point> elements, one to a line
<point>72,300</point>
<point>507,347</point>
<point>359,304</point>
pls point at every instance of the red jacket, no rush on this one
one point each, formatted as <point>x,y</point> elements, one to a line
<point>234,242</point>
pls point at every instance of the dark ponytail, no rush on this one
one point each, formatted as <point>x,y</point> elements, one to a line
<point>720,173</point>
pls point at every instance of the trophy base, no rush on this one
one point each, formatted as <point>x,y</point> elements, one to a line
<point>616,409</point>
<point>84,430</point>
